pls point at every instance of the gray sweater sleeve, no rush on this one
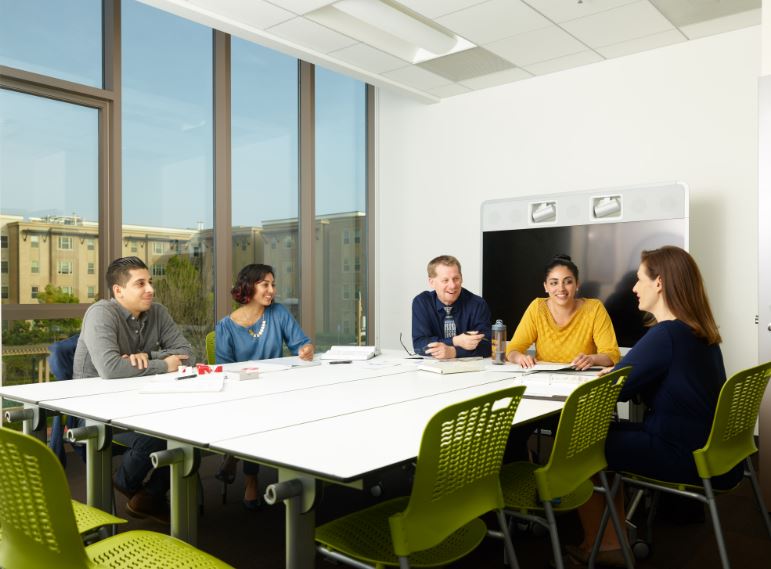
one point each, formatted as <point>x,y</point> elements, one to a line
<point>106,338</point>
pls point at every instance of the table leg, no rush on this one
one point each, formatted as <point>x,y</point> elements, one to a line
<point>35,423</point>
<point>300,522</point>
<point>99,466</point>
<point>183,461</point>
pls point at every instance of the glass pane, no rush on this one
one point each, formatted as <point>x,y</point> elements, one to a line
<point>167,161</point>
<point>48,191</point>
<point>25,349</point>
<point>51,37</point>
<point>341,265</point>
<point>264,165</point>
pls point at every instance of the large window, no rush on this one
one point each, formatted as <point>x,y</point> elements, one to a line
<point>264,128</point>
<point>50,37</point>
<point>340,209</point>
<point>60,132</point>
<point>167,159</point>
<point>48,183</point>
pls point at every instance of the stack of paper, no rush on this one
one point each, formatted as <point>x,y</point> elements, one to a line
<point>353,353</point>
<point>452,366</point>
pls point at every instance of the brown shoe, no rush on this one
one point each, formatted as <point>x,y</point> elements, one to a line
<point>145,505</point>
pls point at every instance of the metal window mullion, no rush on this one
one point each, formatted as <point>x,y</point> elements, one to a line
<point>307,202</point>
<point>110,142</point>
<point>222,231</point>
<point>371,210</point>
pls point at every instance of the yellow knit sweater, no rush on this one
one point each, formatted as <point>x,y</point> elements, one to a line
<point>589,331</point>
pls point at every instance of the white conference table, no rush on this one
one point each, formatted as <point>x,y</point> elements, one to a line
<point>334,423</point>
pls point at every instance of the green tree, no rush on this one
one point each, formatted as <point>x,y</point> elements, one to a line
<point>183,292</point>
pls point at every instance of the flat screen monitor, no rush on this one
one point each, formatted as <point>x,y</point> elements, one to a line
<point>607,256</point>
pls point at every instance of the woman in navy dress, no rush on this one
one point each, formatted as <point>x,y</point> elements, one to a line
<point>677,371</point>
<point>256,330</point>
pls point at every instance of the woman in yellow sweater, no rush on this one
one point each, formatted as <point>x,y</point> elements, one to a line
<point>565,329</point>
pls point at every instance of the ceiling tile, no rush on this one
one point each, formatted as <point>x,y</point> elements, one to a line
<point>493,20</point>
<point>724,24</point>
<point>449,90</point>
<point>256,13</point>
<point>537,45</point>
<point>562,63</point>
<point>436,8</point>
<point>416,77</point>
<point>369,58</point>
<point>496,79</point>
<point>300,6</point>
<point>564,10</point>
<point>311,35</point>
<point>641,44</point>
<point>682,13</point>
<point>619,24</point>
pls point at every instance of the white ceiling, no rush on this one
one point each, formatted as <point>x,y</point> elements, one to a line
<point>516,39</point>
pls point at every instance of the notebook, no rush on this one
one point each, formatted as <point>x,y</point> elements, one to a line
<point>353,353</point>
<point>453,366</point>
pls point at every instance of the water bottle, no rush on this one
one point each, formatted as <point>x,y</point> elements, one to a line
<point>499,342</point>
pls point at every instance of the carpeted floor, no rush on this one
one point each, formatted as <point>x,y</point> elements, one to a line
<point>256,539</point>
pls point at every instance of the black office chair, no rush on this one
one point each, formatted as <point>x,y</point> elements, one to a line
<point>61,360</point>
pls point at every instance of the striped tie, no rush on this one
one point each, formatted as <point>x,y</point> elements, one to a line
<point>449,323</point>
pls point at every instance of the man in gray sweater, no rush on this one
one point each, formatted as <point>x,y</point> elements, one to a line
<point>130,336</point>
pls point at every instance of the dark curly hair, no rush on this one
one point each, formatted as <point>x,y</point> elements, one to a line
<point>250,275</point>
<point>561,260</point>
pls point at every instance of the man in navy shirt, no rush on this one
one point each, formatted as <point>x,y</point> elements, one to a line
<point>449,321</point>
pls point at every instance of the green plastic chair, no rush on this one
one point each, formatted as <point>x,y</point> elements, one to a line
<point>535,493</point>
<point>731,441</point>
<point>211,357</point>
<point>456,481</point>
<point>39,528</point>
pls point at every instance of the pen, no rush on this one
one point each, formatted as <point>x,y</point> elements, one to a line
<point>187,376</point>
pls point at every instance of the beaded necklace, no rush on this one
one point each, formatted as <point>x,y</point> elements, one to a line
<point>260,331</point>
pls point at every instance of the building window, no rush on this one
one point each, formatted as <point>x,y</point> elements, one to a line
<point>133,247</point>
<point>356,264</point>
<point>158,270</point>
<point>90,244</point>
<point>91,292</point>
<point>346,237</point>
<point>67,289</point>
<point>288,268</point>
<point>4,241</point>
<point>64,267</point>
<point>346,292</point>
<point>346,265</point>
<point>33,292</point>
<point>3,266</point>
<point>65,243</point>
<point>34,241</point>
<point>273,243</point>
<point>34,267</point>
<point>288,242</point>
<point>357,236</point>
<point>91,269</point>
<point>5,292</point>
<point>158,248</point>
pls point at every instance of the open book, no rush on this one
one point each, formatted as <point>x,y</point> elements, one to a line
<point>353,353</point>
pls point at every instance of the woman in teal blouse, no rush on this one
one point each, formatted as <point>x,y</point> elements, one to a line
<point>256,330</point>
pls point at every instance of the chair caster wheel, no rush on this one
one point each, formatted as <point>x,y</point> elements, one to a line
<point>641,549</point>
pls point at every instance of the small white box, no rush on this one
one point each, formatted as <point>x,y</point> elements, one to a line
<point>243,373</point>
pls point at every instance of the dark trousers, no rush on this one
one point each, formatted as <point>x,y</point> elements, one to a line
<point>136,464</point>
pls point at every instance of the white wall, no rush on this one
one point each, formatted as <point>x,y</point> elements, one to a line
<point>686,112</point>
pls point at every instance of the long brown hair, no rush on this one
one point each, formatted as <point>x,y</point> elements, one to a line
<point>683,289</point>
